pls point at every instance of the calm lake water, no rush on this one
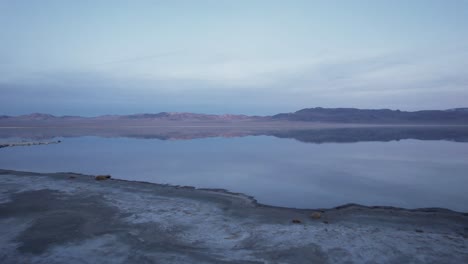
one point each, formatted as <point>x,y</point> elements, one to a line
<point>408,173</point>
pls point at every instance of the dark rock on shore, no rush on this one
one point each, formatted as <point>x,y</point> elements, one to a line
<point>46,218</point>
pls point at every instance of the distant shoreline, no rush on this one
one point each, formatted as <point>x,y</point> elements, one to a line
<point>302,131</point>
<point>317,114</point>
<point>25,144</point>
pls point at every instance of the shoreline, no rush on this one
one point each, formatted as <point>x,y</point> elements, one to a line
<point>242,196</point>
<point>27,144</point>
<point>306,134</point>
<point>69,217</point>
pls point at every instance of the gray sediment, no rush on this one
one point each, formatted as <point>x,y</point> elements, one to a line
<point>72,218</point>
<point>25,144</point>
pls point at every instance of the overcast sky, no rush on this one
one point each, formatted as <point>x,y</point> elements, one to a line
<point>251,57</point>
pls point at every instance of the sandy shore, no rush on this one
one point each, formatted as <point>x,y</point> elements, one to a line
<point>72,218</point>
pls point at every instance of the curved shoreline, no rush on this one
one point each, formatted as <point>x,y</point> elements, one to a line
<point>251,199</point>
<point>69,217</point>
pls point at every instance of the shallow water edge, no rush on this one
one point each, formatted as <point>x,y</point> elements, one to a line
<point>67,217</point>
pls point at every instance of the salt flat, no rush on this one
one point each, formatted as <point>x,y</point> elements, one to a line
<point>72,218</point>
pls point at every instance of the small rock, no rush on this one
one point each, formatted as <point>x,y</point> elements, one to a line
<point>316,215</point>
<point>419,231</point>
<point>71,177</point>
<point>325,222</point>
<point>296,221</point>
<point>102,177</point>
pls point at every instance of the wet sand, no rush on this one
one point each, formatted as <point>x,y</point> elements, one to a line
<point>72,218</point>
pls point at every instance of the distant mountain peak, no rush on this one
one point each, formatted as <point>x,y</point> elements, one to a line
<point>38,116</point>
<point>376,116</point>
<point>460,109</point>
<point>184,116</point>
<point>317,114</point>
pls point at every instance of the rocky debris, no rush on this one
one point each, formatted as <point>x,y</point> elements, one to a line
<point>102,177</point>
<point>296,221</point>
<point>316,215</point>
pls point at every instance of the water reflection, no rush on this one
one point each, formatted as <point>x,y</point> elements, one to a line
<point>386,167</point>
<point>316,135</point>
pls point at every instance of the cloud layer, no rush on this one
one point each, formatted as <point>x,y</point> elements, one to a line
<point>255,58</point>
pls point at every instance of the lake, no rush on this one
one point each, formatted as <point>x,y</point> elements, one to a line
<point>301,169</point>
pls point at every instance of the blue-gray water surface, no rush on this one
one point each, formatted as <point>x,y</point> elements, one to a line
<point>276,171</point>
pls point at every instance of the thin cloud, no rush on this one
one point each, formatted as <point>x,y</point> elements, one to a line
<point>139,58</point>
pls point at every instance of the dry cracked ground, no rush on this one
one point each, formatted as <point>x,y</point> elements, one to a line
<point>70,218</point>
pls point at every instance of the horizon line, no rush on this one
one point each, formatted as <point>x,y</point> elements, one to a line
<point>231,114</point>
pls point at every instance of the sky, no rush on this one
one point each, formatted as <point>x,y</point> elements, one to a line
<point>244,57</point>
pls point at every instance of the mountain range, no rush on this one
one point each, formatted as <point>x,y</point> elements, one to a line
<point>377,116</point>
<point>318,114</point>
